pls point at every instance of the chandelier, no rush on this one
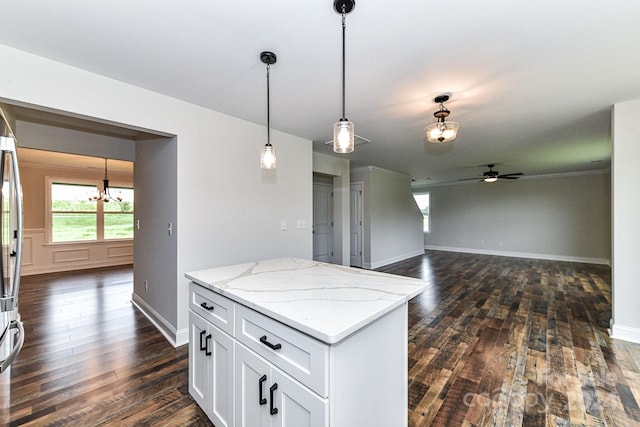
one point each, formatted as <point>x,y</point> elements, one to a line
<point>442,130</point>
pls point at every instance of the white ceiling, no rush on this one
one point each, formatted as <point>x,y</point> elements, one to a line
<point>532,83</point>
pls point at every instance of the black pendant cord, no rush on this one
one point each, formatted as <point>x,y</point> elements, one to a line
<point>344,118</point>
<point>268,112</point>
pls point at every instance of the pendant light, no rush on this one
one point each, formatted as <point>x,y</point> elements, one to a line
<point>442,130</point>
<point>105,194</point>
<point>343,130</point>
<point>268,156</point>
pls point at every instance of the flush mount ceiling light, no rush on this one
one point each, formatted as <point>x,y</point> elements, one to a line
<point>343,130</point>
<point>105,195</point>
<point>442,130</point>
<point>268,155</point>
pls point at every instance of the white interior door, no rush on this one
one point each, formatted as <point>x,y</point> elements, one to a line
<point>322,222</point>
<point>355,235</point>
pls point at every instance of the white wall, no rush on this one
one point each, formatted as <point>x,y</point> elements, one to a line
<point>228,209</point>
<point>626,221</point>
<point>392,229</point>
<point>562,218</point>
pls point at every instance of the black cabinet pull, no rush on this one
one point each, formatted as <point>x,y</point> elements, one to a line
<point>272,389</point>
<point>263,340</point>
<point>206,345</point>
<point>206,307</point>
<point>262,400</point>
<point>202,347</point>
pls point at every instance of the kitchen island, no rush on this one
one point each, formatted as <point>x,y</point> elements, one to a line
<point>295,342</point>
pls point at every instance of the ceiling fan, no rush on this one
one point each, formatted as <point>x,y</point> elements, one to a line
<point>492,176</point>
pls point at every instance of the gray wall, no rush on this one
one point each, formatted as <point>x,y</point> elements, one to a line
<point>65,140</point>
<point>562,217</point>
<point>392,221</point>
<point>155,250</point>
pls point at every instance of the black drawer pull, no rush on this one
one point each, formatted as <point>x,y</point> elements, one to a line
<point>202,347</point>
<point>272,389</point>
<point>262,400</point>
<point>206,345</point>
<point>263,340</point>
<point>206,307</point>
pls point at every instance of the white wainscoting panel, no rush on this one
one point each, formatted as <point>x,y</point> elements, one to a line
<point>39,256</point>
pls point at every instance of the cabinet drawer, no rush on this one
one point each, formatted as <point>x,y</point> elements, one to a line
<point>300,356</point>
<point>212,307</point>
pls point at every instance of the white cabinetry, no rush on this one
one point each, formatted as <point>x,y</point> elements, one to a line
<point>301,344</point>
<point>211,356</point>
<point>266,397</point>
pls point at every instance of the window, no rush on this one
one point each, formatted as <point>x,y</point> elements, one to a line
<point>75,217</point>
<point>423,204</point>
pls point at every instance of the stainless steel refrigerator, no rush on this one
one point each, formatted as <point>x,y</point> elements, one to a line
<point>11,327</point>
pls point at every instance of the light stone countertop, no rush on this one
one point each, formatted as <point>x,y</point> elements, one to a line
<point>326,301</point>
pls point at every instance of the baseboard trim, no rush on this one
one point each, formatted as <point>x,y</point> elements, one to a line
<point>625,333</point>
<point>382,263</point>
<point>176,338</point>
<point>583,260</point>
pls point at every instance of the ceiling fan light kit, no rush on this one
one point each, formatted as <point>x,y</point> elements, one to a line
<point>492,176</point>
<point>442,130</point>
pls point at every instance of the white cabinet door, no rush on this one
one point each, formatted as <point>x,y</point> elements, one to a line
<point>267,397</point>
<point>211,370</point>
<point>198,361</point>
<point>221,351</point>
<point>252,389</point>
<point>297,405</point>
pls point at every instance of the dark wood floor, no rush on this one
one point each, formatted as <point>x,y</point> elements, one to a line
<point>90,358</point>
<point>494,341</point>
<point>507,341</point>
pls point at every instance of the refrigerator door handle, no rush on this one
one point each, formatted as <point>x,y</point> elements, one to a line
<point>11,285</point>
<point>19,341</point>
<point>18,232</point>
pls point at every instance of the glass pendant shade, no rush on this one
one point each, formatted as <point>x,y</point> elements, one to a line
<point>343,137</point>
<point>268,157</point>
<point>442,131</point>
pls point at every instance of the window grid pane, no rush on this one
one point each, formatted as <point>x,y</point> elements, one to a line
<point>118,226</point>
<point>69,227</point>
<point>72,198</point>
<point>126,205</point>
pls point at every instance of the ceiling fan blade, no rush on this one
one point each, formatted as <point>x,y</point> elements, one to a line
<point>508,177</point>
<point>511,174</point>
<point>469,179</point>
